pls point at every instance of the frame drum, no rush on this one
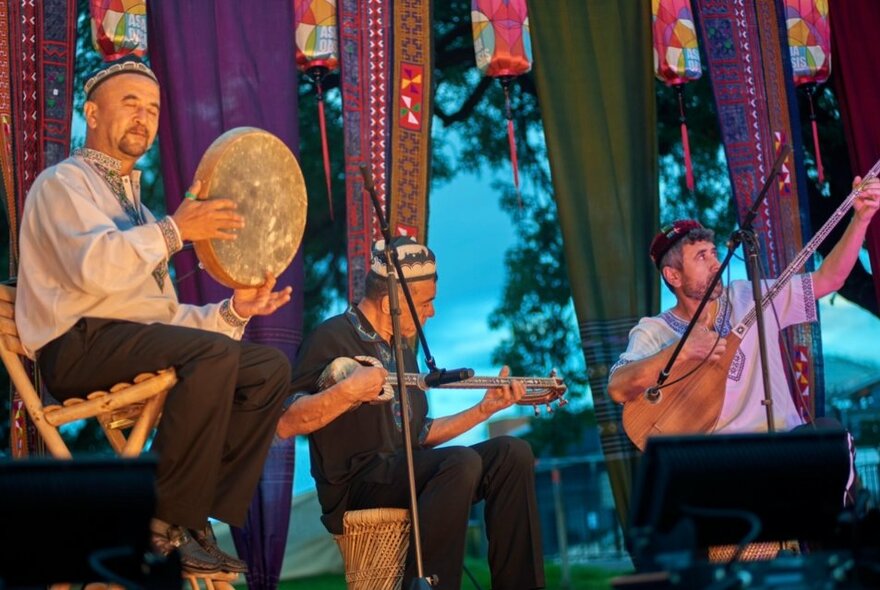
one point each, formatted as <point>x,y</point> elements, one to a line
<point>256,170</point>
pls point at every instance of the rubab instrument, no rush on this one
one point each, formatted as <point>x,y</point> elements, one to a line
<point>540,391</point>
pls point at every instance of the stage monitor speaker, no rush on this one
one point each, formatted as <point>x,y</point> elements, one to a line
<point>701,487</point>
<point>79,520</point>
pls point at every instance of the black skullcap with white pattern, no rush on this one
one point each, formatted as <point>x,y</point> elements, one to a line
<point>126,65</point>
<point>416,261</point>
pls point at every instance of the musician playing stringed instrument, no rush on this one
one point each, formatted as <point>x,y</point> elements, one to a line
<point>356,445</point>
<point>685,255</point>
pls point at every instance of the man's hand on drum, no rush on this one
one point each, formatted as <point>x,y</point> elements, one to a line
<point>213,219</point>
<point>260,300</point>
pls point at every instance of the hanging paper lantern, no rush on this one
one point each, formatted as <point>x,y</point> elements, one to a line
<point>119,28</point>
<point>677,59</point>
<point>503,50</point>
<point>317,54</point>
<point>809,42</point>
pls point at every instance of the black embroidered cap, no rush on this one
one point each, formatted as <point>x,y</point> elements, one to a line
<point>126,65</point>
<point>416,261</point>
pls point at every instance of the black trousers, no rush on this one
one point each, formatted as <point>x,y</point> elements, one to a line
<point>217,423</point>
<point>448,481</point>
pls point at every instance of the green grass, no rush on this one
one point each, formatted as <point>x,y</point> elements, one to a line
<point>582,577</point>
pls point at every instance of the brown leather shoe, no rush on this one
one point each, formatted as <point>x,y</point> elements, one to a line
<point>206,538</point>
<point>193,557</point>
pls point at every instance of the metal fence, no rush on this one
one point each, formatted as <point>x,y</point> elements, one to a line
<point>578,516</point>
<point>577,511</point>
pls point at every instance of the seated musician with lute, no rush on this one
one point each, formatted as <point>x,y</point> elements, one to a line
<point>725,391</point>
<point>356,444</point>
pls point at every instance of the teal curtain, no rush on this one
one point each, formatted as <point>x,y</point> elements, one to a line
<point>594,73</point>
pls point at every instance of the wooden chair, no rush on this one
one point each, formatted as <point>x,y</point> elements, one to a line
<point>134,407</point>
<point>373,544</point>
<point>219,581</point>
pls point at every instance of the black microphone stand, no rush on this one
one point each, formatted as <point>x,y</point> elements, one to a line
<point>435,376</point>
<point>747,236</point>
<point>432,379</point>
<point>750,239</point>
<point>653,394</point>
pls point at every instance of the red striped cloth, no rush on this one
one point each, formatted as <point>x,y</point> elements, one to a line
<point>365,35</point>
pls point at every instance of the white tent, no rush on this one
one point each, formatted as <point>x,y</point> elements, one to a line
<point>310,549</point>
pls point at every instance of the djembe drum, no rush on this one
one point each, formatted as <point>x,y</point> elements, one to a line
<point>260,174</point>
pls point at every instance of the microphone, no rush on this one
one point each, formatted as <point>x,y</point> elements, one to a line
<point>652,394</point>
<point>444,377</point>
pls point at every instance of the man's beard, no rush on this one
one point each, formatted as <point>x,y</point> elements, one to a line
<point>134,145</point>
<point>698,290</point>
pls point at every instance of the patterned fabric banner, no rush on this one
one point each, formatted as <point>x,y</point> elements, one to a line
<point>365,41</point>
<point>35,115</point>
<point>411,123</point>
<point>27,158</point>
<point>747,53</point>
<point>41,51</point>
<point>596,88</point>
<point>57,52</point>
<point>6,157</point>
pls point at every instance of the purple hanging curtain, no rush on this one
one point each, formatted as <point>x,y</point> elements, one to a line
<point>226,64</point>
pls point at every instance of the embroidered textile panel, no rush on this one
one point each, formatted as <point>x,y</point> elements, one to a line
<point>365,48</point>
<point>746,45</point>
<point>411,122</point>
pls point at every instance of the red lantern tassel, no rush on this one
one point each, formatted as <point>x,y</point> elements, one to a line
<point>512,142</point>
<point>511,139</point>
<point>685,141</point>
<point>317,75</point>
<point>819,168</point>
<point>688,166</point>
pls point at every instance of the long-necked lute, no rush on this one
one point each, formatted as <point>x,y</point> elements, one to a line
<point>539,390</point>
<point>693,405</point>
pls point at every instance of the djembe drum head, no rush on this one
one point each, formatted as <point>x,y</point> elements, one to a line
<point>259,172</point>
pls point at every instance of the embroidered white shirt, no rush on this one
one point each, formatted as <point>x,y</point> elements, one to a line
<point>81,255</point>
<point>742,410</point>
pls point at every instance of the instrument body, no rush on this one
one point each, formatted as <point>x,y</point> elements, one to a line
<point>260,174</point>
<point>688,407</point>
<point>694,404</point>
<point>539,390</point>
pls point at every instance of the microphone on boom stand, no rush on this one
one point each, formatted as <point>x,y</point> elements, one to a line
<point>440,377</point>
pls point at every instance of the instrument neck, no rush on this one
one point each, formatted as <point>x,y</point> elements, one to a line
<point>808,250</point>
<point>418,380</point>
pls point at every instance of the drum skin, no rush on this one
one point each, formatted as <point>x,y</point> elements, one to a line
<point>259,172</point>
